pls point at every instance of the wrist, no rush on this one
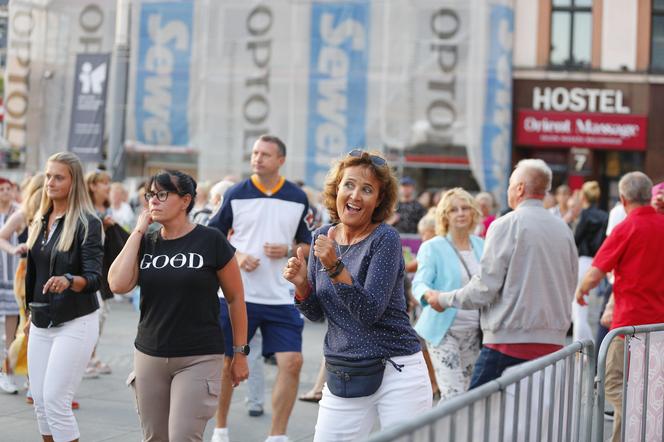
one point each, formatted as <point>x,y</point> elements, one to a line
<point>303,292</point>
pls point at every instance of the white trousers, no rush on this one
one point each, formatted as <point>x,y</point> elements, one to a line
<point>57,358</point>
<point>581,328</point>
<point>401,396</point>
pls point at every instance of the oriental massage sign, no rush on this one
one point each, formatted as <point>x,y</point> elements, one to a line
<point>581,117</point>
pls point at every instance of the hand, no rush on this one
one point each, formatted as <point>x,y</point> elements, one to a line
<point>580,297</point>
<point>20,249</point>
<point>296,271</point>
<point>239,369</point>
<point>431,297</point>
<point>143,222</point>
<point>607,318</point>
<point>108,221</point>
<point>56,284</point>
<point>247,262</point>
<point>325,248</point>
<point>26,326</point>
<point>275,251</point>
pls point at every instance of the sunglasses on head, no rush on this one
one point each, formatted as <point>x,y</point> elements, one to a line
<point>375,159</point>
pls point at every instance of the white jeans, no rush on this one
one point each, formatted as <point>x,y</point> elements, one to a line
<point>581,328</point>
<point>57,358</point>
<point>401,396</point>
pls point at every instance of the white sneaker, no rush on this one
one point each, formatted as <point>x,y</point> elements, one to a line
<point>220,435</point>
<point>7,384</point>
<point>280,438</point>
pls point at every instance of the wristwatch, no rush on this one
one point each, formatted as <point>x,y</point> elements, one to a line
<point>70,279</point>
<point>244,349</point>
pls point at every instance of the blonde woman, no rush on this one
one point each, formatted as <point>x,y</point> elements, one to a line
<point>445,263</point>
<point>63,274</point>
<point>13,231</point>
<point>589,235</point>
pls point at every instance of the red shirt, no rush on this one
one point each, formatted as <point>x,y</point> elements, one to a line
<point>527,351</point>
<point>635,253</point>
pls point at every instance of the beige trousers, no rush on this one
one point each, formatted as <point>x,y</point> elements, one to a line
<point>613,387</point>
<point>175,397</point>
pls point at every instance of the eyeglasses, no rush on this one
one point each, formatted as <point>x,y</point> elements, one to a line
<point>375,159</point>
<point>162,195</point>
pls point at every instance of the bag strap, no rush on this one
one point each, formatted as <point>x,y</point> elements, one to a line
<point>463,262</point>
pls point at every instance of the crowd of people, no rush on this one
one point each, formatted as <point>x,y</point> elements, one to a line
<point>226,272</point>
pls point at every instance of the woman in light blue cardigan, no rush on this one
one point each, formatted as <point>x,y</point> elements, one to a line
<point>447,262</point>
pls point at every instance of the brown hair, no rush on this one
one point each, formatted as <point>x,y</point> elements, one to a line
<point>443,208</point>
<point>389,188</point>
<point>93,178</point>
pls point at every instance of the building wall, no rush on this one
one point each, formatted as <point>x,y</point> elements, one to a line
<point>525,27</point>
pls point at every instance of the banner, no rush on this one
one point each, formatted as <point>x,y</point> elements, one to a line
<point>44,39</point>
<point>86,127</point>
<point>162,74</point>
<point>496,148</point>
<point>337,84</point>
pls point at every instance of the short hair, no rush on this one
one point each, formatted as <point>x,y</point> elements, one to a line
<point>536,176</point>
<point>485,196</point>
<point>427,222</point>
<point>591,191</point>
<point>281,146</point>
<point>443,209</point>
<point>389,189</point>
<point>636,188</point>
<point>174,181</point>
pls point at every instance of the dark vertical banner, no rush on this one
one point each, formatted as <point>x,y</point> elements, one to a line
<point>337,83</point>
<point>86,129</point>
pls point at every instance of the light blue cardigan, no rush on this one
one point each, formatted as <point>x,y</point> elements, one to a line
<point>438,268</point>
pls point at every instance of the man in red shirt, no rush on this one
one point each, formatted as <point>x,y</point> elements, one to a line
<point>633,252</point>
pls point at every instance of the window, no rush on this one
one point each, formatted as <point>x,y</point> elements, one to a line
<point>571,33</point>
<point>657,44</point>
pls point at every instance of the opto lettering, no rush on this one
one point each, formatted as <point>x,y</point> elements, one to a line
<point>17,100</point>
<point>441,111</point>
<point>256,106</point>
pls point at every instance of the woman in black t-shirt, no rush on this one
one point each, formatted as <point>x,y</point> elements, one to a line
<point>179,352</point>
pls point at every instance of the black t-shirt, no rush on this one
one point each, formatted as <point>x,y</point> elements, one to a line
<point>179,303</point>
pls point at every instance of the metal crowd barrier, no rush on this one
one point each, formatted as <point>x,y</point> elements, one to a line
<point>641,385</point>
<point>541,400</point>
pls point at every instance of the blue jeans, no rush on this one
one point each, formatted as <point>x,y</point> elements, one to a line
<point>490,365</point>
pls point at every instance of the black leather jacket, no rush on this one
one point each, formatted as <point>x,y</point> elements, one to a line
<point>84,258</point>
<point>591,231</point>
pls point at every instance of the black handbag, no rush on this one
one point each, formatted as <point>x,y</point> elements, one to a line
<point>349,379</point>
<point>40,314</point>
<point>44,314</point>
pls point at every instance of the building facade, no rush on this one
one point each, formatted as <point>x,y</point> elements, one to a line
<point>588,92</point>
